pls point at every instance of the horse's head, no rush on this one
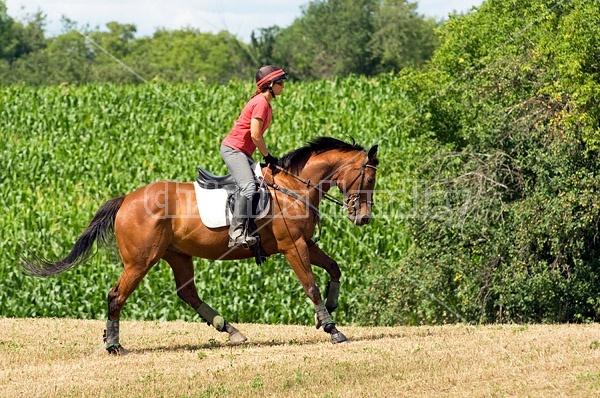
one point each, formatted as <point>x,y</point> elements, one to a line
<point>357,181</point>
<point>335,163</point>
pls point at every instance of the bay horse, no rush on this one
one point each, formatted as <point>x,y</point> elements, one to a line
<point>161,221</point>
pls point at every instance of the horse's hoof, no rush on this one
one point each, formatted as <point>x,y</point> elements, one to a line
<point>338,337</point>
<point>237,338</point>
<point>117,350</point>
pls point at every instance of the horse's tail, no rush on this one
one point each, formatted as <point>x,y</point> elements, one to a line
<point>100,229</point>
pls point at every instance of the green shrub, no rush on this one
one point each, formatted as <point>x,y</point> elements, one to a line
<point>508,230</point>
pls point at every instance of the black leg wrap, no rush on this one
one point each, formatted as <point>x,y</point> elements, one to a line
<point>111,337</point>
<point>322,317</point>
<point>111,334</point>
<point>333,293</point>
<point>211,317</point>
<point>330,328</point>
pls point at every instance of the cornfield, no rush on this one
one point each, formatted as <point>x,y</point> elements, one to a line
<point>66,150</point>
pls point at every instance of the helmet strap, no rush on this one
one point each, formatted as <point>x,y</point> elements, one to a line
<point>271,90</point>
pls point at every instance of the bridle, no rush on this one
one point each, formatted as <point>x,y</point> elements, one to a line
<point>351,202</point>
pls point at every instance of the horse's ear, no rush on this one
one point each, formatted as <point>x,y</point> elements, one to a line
<point>373,152</point>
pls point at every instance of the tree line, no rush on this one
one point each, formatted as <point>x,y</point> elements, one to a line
<point>331,38</point>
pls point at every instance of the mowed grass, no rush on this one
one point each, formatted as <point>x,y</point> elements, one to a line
<point>66,358</point>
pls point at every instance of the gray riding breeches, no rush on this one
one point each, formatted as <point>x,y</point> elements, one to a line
<point>240,167</point>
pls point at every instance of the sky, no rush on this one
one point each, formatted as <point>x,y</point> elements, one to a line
<point>210,16</point>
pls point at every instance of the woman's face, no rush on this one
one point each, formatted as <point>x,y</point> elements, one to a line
<point>278,87</point>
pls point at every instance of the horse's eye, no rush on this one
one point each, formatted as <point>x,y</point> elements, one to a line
<point>370,180</point>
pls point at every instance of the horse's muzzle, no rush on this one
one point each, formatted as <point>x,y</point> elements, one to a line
<point>360,220</point>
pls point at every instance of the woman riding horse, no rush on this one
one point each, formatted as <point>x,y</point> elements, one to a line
<point>241,142</point>
<point>161,221</point>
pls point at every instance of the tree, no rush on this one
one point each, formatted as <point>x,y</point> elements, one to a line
<point>30,36</point>
<point>189,55</point>
<point>18,39</point>
<point>70,56</point>
<point>111,51</point>
<point>331,39</point>
<point>7,40</point>
<point>364,37</point>
<point>401,37</point>
<point>114,43</point>
<point>263,46</point>
<point>19,42</point>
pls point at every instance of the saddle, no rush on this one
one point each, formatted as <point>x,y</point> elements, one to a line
<point>208,184</point>
<point>261,201</point>
<point>208,180</point>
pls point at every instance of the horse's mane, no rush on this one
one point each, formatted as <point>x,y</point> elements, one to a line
<point>295,161</point>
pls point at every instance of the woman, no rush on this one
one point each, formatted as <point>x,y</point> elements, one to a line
<point>241,142</point>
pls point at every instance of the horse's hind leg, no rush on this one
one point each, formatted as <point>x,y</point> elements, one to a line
<point>129,280</point>
<point>142,242</point>
<point>183,270</point>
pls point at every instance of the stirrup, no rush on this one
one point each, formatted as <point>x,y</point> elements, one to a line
<point>244,241</point>
<point>249,241</point>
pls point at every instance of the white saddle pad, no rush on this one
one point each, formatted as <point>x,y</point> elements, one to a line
<point>212,204</point>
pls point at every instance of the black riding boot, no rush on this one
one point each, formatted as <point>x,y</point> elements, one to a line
<point>238,230</point>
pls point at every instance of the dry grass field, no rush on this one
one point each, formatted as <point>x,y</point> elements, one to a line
<point>66,358</point>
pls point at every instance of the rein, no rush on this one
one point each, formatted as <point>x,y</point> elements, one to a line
<point>293,195</point>
<point>324,195</point>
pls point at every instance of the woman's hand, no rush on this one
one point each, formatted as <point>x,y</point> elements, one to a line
<point>271,161</point>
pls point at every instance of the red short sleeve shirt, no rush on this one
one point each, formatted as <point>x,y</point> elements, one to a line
<point>239,137</point>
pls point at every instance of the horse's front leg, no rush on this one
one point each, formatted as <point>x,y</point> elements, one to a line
<point>299,258</point>
<point>322,260</point>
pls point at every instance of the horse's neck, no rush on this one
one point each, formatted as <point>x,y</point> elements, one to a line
<point>324,171</point>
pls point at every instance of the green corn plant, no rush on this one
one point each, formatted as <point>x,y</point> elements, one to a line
<point>68,149</point>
